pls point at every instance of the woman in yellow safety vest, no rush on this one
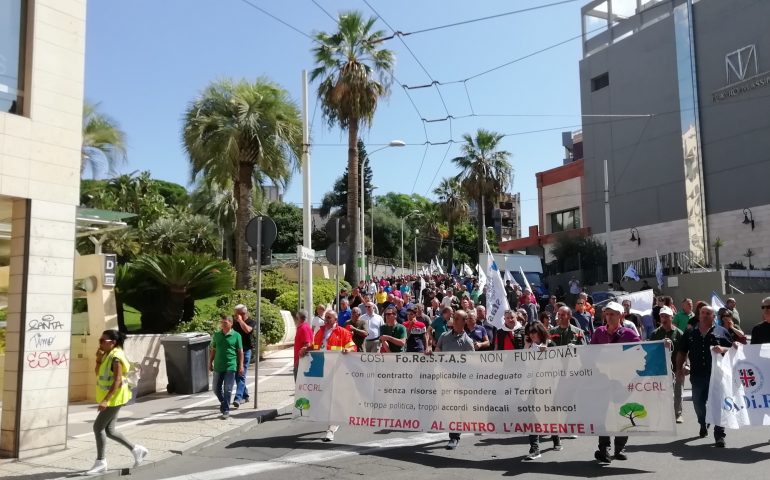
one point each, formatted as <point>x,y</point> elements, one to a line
<point>112,392</point>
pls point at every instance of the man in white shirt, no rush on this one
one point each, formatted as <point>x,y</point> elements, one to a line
<point>448,298</point>
<point>372,324</point>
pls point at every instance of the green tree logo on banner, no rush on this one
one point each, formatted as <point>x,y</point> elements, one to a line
<point>301,404</point>
<point>632,411</point>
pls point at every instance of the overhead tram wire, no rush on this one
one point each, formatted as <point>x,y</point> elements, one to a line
<point>449,147</point>
<point>433,82</point>
<point>286,24</point>
<point>480,19</point>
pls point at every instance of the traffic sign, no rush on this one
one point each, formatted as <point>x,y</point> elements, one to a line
<point>331,229</point>
<point>331,253</point>
<point>305,253</point>
<point>269,232</point>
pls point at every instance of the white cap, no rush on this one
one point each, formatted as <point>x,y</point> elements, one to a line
<point>615,306</point>
<point>666,311</point>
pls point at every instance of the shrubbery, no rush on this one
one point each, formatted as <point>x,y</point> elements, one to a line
<point>271,322</point>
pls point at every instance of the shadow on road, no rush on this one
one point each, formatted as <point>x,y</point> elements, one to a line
<point>707,451</point>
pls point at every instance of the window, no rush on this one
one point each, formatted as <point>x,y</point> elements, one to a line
<point>600,81</point>
<point>13,17</point>
<point>565,220</point>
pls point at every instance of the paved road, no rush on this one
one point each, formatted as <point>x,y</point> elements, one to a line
<point>286,449</point>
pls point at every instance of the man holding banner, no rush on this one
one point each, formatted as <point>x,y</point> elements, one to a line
<point>697,345</point>
<point>613,332</point>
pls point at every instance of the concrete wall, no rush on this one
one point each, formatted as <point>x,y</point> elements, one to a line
<point>736,144</point>
<point>40,170</point>
<point>644,154</point>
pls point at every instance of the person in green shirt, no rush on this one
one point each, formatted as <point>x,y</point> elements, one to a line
<point>225,359</point>
<point>392,334</point>
<point>440,324</point>
<point>672,336</point>
<point>564,333</point>
<point>683,316</point>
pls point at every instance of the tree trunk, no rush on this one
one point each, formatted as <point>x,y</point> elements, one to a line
<point>451,241</point>
<point>480,223</point>
<point>242,187</point>
<point>351,272</point>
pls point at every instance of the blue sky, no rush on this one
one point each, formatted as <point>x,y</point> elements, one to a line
<point>147,59</point>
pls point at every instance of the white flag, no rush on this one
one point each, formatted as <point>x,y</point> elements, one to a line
<point>735,376</point>
<point>716,302</point>
<point>497,300</point>
<point>482,278</point>
<point>467,271</point>
<point>440,270</point>
<point>432,266</point>
<point>631,273</point>
<point>526,282</point>
<point>509,278</point>
<point>658,270</point>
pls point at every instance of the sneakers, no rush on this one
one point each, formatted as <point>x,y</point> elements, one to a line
<point>329,436</point>
<point>224,416</point>
<point>236,404</point>
<point>621,454</point>
<point>140,454</point>
<point>452,444</point>
<point>603,456</point>
<point>679,419</point>
<point>720,442</point>
<point>534,453</point>
<point>557,447</point>
<point>100,466</point>
<point>704,430</point>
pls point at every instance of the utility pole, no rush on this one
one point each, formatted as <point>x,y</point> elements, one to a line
<point>306,267</point>
<point>607,222</point>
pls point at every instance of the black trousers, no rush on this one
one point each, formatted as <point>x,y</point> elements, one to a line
<point>620,443</point>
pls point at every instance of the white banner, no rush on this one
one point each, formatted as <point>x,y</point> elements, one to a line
<point>641,301</point>
<point>497,300</point>
<point>571,390</point>
<point>739,392</point>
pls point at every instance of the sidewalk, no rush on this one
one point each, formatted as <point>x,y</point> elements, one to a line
<point>167,425</point>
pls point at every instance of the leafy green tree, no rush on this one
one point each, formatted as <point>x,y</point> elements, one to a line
<point>354,72</point>
<point>453,207</point>
<point>337,198</point>
<point>104,143</point>
<point>288,222</point>
<point>174,194</point>
<point>485,172</point>
<point>573,252</point>
<point>632,411</point>
<point>236,130</point>
<point>182,232</point>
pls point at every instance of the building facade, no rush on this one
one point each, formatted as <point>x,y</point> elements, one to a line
<point>507,217</point>
<point>42,50</point>
<point>676,95</point>
<point>560,203</point>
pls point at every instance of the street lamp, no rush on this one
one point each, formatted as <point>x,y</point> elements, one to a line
<point>413,212</point>
<point>416,232</point>
<point>393,143</point>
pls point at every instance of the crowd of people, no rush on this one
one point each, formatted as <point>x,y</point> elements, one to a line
<point>442,313</point>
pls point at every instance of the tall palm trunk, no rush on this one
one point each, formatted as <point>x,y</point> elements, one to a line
<point>480,223</point>
<point>242,192</point>
<point>451,241</point>
<point>351,272</point>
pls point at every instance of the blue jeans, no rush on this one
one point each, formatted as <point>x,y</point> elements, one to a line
<point>241,390</point>
<point>223,387</point>
<point>700,395</point>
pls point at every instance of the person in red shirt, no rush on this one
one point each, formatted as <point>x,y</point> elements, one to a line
<point>331,336</point>
<point>417,341</point>
<point>303,337</point>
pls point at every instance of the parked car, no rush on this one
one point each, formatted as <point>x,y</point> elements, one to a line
<point>602,298</point>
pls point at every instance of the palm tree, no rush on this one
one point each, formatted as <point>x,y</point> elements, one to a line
<point>484,172</point>
<point>104,143</point>
<point>355,74</point>
<point>236,132</point>
<point>453,207</point>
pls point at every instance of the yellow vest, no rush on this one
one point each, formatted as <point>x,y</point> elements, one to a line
<point>106,378</point>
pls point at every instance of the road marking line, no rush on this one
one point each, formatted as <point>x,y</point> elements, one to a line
<point>210,399</point>
<point>251,469</point>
